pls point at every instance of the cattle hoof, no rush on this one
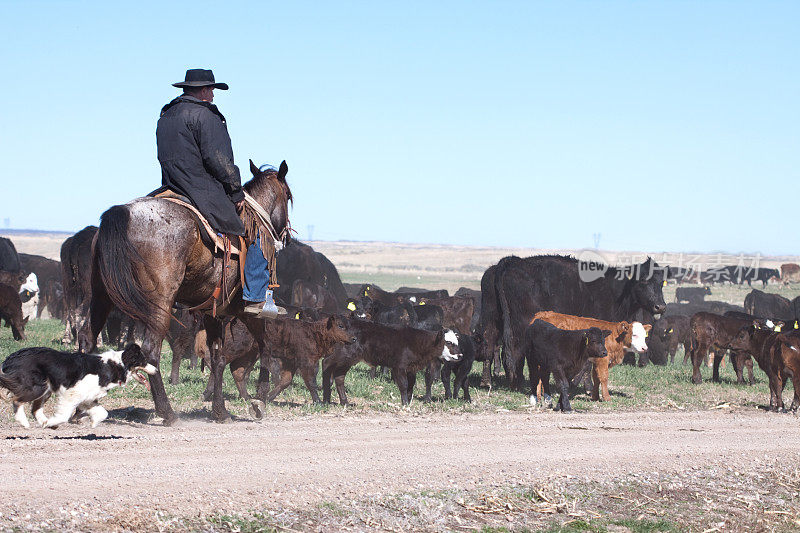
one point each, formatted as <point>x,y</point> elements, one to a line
<point>256,409</point>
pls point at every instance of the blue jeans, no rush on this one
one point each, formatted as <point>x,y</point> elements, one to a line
<point>256,274</point>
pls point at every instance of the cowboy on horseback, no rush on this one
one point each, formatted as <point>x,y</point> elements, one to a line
<point>194,150</point>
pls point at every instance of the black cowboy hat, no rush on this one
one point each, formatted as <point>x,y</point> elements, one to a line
<point>199,77</point>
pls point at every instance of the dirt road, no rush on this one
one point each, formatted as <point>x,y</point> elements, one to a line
<point>200,467</point>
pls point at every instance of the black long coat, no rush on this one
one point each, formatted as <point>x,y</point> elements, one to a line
<point>196,158</point>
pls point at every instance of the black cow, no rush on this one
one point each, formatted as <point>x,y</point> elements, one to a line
<point>672,331</point>
<point>464,292</point>
<point>549,349</point>
<point>461,368</point>
<point>308,294</point>
<point>300,261</point>
<point>76,267</point>
<point>709,306</point>
<point>765,305</point>
<point>552,283</point>
<point>9,258</point>
<point>48,277</point>
<point>691,294</point>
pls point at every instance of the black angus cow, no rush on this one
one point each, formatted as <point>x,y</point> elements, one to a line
<point>464,292</point>
<point>300,261</point>
<point>461,368</point>
<point>764,275</point>
<point>552,283</point>
<point>489,327</point>
<point>672,331</point>
<point>691,294</point>
<point>549,349</point>
<point>458,312</point>
<point>765,305</point>
<point>709,306</point>
<point>10,269</point>
<point>9,258</point>
<point>353,290</point>
<point>308,294</point>
<point>48,277</point>
<point>76,267</point>
<point>377,294</point>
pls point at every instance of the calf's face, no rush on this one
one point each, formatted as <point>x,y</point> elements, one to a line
<point>337,331</point>
<point>595,341</point>
<point>639,334</point>
<point>451,351</point>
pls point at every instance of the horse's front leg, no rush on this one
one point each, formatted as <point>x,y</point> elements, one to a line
<point>215,337</point>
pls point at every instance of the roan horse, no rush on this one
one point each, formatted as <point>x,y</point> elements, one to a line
<point>148,254</point>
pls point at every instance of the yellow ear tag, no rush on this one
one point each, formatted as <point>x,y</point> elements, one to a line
<point>586,341</point>
<point>664,283</point>
<point>777,329</point>
<point>796,325</point>
<point>351,306</point>
<point>422,303</point>
<point>670,330</point>
<point>297,316</point>
<point>365,293</point>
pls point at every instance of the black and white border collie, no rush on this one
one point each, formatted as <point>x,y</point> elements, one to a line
<point>79,381</point>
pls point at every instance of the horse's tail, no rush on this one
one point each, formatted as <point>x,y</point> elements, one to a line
<point>115,257</point>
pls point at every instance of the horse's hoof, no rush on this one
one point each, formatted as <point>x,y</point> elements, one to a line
<point>171,421</point>
<point>225,418</point>
<point>256,409</point>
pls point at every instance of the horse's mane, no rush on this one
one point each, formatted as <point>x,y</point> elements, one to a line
<point>261,180</point>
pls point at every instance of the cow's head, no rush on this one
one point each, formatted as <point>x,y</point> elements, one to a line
<point>639,333</point>
<point>360,308</point>
<point>451,350</point>
<point>648,287</point>
<point>336,329</point>
<point>594,340</point>
<point>742,339</point>
<point>29,288</point>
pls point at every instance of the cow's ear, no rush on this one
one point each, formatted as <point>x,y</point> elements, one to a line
<point>254,169</point>
<point>605,333</point>
<point>648,327</point>
<point>331,322</point>
<point>282,171</point>
<point>439,337</point>
<point>25,321</point>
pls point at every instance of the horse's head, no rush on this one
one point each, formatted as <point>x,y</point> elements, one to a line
<point>269,188</point>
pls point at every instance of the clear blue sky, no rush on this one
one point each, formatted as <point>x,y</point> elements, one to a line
<point>662,125</point>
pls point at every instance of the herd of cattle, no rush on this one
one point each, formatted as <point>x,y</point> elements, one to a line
<point>536,310</point>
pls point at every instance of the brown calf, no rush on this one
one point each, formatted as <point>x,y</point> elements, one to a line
<point>711,332</point>
<point>292,344</point>
<point>458,311</point>
<point>11,311</point>
<point>617,343</point>
<point>405,350</point>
